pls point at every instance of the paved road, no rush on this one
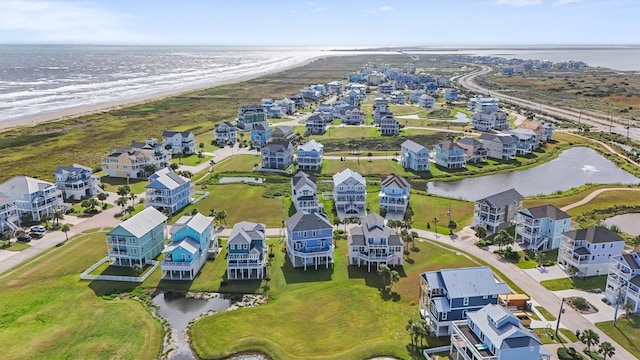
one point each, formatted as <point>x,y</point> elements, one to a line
<point>601,122</point>
<point>593,195</point>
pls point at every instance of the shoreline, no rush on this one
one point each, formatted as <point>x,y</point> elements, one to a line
<point>79,111</point>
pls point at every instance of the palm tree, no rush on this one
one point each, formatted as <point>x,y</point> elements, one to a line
<point>132,197</point>
<point>212,212</point>
<point>423,330</point>
<point>65,229</point>
<point>222,216</point>
<point>385,273</point>
<point>57,216</point>
<point>45,218</point>
<point>628,309</point>
<point>607,350</point>
<point>211,163</point>
<point>411,328</point>
<point>414,236</point>
<point>130,209</point>
<point>121,202</point>
<point>503,238</point>
<point>539,258</point>
<point>102,197</point>
<point>394,277</point>
<point>589,337</point>
<point>481,232</point>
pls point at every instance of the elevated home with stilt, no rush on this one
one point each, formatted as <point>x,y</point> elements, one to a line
<point>192,238</point>
<point>247,252</point>
<point>309,240</point>
<point>374,243</point>
<point>138,240</point>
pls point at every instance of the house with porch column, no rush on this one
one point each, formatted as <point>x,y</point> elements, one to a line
<point>191,239</point>
<point>304,193</point>
<point>414,156</point>
<point>309,240</point>
<point>447,295</point>
<point>180,141</point>
<point>310,156</point>
<point>540,228</point>
<point>247,252</point>
<point>623,280</point>
<point>9,217</point>
<point>168,190</point>
<point>589,250</point>
<point>224,133</point>
<point>394,195</point>
<point>349,194</point>
<point>498,211</point>
<point>137,240</point>
<point>33,196</point>
<point>374,243</point>
<point>76,181</point>
<point>449,155</point>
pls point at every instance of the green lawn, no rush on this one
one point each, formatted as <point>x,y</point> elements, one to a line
<point>588,283</point>
<point>365,167</point>
<point>426,207</point>
<point>111,184</point>
<point>568,334</point>
<point>347,132</point>
<point>237,163</point>
<point>48,312</point>
<point>547,336</point>
<point>626,332</point>
<point>338,306</point>
<point>18,246</point>
<point>546,314</point>
<point>191,160</point>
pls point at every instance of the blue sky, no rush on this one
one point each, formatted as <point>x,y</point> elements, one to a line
<point>325,23</point>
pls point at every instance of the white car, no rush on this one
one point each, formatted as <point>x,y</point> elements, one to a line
<point>37,231</point>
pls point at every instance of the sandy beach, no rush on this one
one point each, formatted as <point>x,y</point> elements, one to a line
<point>78,111</point>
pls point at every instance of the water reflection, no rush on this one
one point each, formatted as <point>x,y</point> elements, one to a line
<point>628,223</point>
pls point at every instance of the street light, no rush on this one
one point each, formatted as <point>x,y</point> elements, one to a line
<point>615,314</point>
<point>559,315</point>
<point>435,225</point>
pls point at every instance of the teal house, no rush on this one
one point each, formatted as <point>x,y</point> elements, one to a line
<point>137,240</point>
<point>192,238</point>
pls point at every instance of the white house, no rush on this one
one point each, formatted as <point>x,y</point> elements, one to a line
<point>310,155</point>
<point>304,193</point>
<point>589,250</point>
<point>498,211</point>
<point>168,191</point>
<point>623,280</point>
<point>499,146</point>
<point>426,102</point>
<point>180,141</point>
<point>414,156</point>
<point>349,194</point>
<point>76,181</point>
<point>9,216</point>
<point>494,121</point>
<point>374,243</point>
<point>389,126</point>
<point>540,228</point>
<point>33,196</point>
<point>224,133</point>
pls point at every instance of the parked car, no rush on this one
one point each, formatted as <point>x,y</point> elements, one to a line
<point>37,231</point>
<point>24,238</point>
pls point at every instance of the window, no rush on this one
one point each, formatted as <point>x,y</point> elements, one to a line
<point>465,301</point>
<point>485,296</point>
<point>444,316</point>
<point>304,234</point>
<point>313,233</point>
<point>464,315</point>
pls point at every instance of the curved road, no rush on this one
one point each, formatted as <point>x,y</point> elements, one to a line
<point>593,195</point>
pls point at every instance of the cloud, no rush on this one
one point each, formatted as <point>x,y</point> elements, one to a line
<point>66,21</point>
<point>564,2</point>
<point>384,8</point>
<point>318,10</point>
<point>519,3</point>
<point>292,12</point>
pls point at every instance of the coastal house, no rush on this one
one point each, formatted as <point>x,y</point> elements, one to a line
<point>426,102</point>
<point>247,252</point>
<point>137,240</point>
<point>385,88</point>
<point>304,193</point>
<point>260,134</point>
<point>275,112</point>
<point>288,106</point>
<point>179,141</point>
<point>298,101</point>
<point>309,240</point>
<point>483,105</point>
<point>277,156</point>
<point>224,133</point>
<point>394,195</point>
<point>325,110</point>
<point>397,97</point>
<point>380,101</point>
<point>540,228</point>
<point>414,95</point>
<point>249,115</point>
<point>589,250</point>
<point>499,146</point>
<point>389,126</point>
<point>449,155</point>
<point>168,191</point>
<point>526,140</point>
<point>623,280</point>
<point>474,150</point>
<point>543,130</point>
<point>448,295</point>
<point>310,156</point>
<point>310,94</point>
<point>374,243</point>
<point>9,215</point>
<point>283,133</point>
<point>379,112</point>
<point>349,194</point>
<point>316,125</point>
<point>191,239</point>
<point>334,87</point>
<point>351,115</point>
<point>498,211</point>
<point>32,196</point>
<point>430,87</point>
<point>451,95</point>
<point>136,161</point>
<point>414,156</point>
<point>495,333</point>
<point>494,121</point>
<point>76,182</point>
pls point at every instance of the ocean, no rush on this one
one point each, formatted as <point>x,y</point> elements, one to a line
<point>43,79</point>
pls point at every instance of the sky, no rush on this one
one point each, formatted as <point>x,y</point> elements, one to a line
<point>321,23</point>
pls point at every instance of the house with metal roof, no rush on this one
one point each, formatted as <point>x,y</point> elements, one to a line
<point>76,181</point>
<point>277,156</point>
<point>310,156</point>
<point>349,194</point>
<point>495,333</point>
<point>304,193</point>
<point>449,155</point>
<point>316,124</point>
<point>526,140</point>
<point>394,195</point>
<point>192,239</point>
<point>623,280</point>
<point>260,134</point>
<point>498,211</point>
<point>137,240</point>
<point>494,121</point>
<point>374,243</point>
<point>180,141</point>
<point>135,160</point>
<point>389,126</point>
<point>540,228</point>
<point>499,146</point>
<point>447,295</point>
<point>249,115</point>
<point>589,250</point>
<point>168,191</point>
<point>33,196</point>
<point>309,240</point>
<point>224,133</point>
<point>414,156</point>
<point>247,252</point>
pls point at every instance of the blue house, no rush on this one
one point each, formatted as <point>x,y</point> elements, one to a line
<point>449,155</point>
<point>394,195</point>
<point>414,156</point>
<point>540,228</point>
<point>448,295</point>
<point>451,95</point>
<point>495,333</point>
<point>309,240</point>
<point>137,240</point>
<point>191,240</point>
<point>247,252</point>
<point>260,135</point>
<point>168,191</point>
<point>310,155</point>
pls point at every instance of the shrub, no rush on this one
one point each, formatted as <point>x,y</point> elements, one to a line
<point>569,354</point>
<point>580,303</point>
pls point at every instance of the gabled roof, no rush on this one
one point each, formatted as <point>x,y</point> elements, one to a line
<point>245,231</point>
<point>502,199</point>
<point>316,118</point>
<point>503,329</point>
<point>278,146</point>
<point>448,145</point>
<point>466,282</point>
<point>170,133</point>
<point>282,131</point>
<point>166,179</point>
<point>72,169</point>
<point>188,244</point>
<point>546,211</point>
<point>24,185</point>
<point>632,260</point>
<point>503,138</point>
<point>399,181</point>
<point>301,178</point>
<point>342,176</point>
<point>197,222</point>
<point>310,146</point>
<point>304,221</point>
<point>594,235</point>
<point>225,123</point>
<point>413,146</point>
<point>469,141</point>
<point>260,126</point>
<point>142,222</point>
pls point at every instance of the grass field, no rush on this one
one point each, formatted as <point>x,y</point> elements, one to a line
<point>48,312</point>
<point>112,184</point>
<point>320,302</point>
<point>365,167</point>
<point>589,283</point>
<point>191,160</point>
<point>237,163</point>
<point>626,332</point>
<point>546,314</point>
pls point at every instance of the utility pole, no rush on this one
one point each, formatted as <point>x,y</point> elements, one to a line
<point>449,224</point>
<point>559,315</point>
<point>435,225</point>
<point>615,314</point>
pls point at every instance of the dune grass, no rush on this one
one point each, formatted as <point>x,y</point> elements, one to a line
<point>48,312</point>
